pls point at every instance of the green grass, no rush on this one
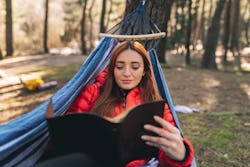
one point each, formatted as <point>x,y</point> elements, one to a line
<point>219,139</point>
<point>63,74</point>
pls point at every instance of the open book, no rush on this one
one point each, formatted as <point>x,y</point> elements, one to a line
<point>113,144</point>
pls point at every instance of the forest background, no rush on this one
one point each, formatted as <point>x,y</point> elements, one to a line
<point>205,57</point>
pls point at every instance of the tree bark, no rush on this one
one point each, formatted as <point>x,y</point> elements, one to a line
<point>1,55</point>
<point>102,19</point>
<point>91,24</point>
<point>189,32</point>
<point>235,35</point>
<point>9,31</point>
<point>226,31</point>
<point>84,48</point>
<point>246,24</point>
<point>108,14</point>
<point>202,21</point>
<point>195,21</point>
<point>208,60</point>
<point>45,34</point>
<point>159,13</point>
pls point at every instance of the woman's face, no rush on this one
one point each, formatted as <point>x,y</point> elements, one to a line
<point>129,69</point>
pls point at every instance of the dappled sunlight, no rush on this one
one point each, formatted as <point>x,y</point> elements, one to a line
<point>15,107</point>
<point>9,92</point>
<point>246,89</point>
<point>18,59</point>
<point>210,100</point>
<point>32,63</point>
<point>210,97</point>
<point>211,82</point>
<point>245,64</point>
<point>66,51</point>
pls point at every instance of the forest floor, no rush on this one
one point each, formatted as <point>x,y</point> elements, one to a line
<point>220,132</point>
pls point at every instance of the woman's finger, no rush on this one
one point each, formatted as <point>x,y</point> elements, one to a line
<point>166,125</point>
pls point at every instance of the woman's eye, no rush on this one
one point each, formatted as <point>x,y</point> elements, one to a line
<point>135,67</point>
<point>119,67</point>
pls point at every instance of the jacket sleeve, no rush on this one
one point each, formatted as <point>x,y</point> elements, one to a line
<point>88,95</point>
<point>164,160</point>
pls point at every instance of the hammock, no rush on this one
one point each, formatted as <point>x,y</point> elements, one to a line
<point>23,141</point>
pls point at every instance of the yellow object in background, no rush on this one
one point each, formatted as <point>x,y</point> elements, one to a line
<point>33,83</point>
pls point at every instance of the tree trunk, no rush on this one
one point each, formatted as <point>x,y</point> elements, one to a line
<point>130,6</point>
<point>91,25</point>
<point>195,20</point>
<point>9,31</point>
<point>84,48</point>
<point>188,32</point>
<point>159,13</point>
<point>108,14</point>
<point>45,34</point>
<point>102,19</point>
<point>1,55</point>
<point>202,25</point>
<point>183,24</point>
<point>208,60</point>
<point>235,35</point>
<point>226,30</point>
<point>246,24</point>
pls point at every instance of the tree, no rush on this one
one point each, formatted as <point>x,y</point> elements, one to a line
<point>195,20</point>
<point>91,24</point>
<point>1,55</point>
<point>8,29</point>
<point>208,60</point>
<point>45,34</point>
<point>102,26</point>
<point>159,11</point>
<point>235,35</point>
<point>84,5</point>
<point>226,31</point>
<point>71,21</point>
<point>201,31</point>
<point>246,22</point>
<point>189,32</point>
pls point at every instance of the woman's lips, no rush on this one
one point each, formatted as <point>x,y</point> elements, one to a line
<point>126,81</point>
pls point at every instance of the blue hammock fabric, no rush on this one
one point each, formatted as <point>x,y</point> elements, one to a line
<point>23,140</point>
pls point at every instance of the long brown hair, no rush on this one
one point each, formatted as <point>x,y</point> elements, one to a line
<point>110,97</point>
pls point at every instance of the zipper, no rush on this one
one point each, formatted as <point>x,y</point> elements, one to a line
<point>123,99</point>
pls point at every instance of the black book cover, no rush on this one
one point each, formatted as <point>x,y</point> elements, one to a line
<point>112,144</point>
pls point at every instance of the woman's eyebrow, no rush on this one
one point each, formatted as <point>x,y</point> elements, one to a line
<point>120,62</point>
<point>135,62</point>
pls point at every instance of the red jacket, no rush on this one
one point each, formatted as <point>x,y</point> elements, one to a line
<point>87,97</point>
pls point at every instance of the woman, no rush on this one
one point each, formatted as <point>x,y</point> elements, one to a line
<point>128,82</point>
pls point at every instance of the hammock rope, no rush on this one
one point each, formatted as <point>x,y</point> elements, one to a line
<point>137,25</point>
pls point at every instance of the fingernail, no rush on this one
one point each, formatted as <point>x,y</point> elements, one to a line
<point>156,117</point>
<point>145,126</point>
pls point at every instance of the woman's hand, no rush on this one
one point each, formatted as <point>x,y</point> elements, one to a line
<point>169,139</point>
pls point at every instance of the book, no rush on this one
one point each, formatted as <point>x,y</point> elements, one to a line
<point>114,143</point>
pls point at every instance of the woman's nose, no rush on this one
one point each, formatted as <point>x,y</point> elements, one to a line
<point>127,72</point>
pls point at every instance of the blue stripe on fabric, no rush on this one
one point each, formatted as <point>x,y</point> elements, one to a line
<point>16,133</point>
<point>162,85</point>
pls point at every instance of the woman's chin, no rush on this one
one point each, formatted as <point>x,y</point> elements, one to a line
<point>126,87</point>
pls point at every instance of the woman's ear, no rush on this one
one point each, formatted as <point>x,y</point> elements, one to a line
<point>143,73</point>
